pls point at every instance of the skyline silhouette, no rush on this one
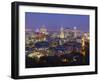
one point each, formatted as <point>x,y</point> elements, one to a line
<point>54,21</point>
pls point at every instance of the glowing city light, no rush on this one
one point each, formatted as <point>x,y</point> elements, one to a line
<point>83,45</point>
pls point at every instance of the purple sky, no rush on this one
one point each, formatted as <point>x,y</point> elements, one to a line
<point>55,21</point>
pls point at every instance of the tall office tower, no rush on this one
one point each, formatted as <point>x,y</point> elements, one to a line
<point>62,32</point>
<point>75,32</point>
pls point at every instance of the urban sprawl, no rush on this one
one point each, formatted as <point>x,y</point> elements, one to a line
<point>61,47</point>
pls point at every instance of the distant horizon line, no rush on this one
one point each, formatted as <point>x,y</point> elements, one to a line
<point>32,29</point>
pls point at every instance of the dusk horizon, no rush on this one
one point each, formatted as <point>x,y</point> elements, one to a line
<point>55,21</point>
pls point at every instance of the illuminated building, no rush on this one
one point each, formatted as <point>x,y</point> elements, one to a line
<point>62,32</point>
<point>69,35</point>
<point>86,36</point>
<point>75,32</point>
<point>55,35</point>
<point>43,30</point>
<point>83,45</point>
<point>35,54</point>
<point>72,34</point>
<point>29,36</point>
<point>40,34</point>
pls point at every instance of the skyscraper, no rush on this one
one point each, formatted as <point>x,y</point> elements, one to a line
<point>75,32</point>
<point>62,32</point>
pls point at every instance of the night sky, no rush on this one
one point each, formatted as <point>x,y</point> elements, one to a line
<point>56,21</point>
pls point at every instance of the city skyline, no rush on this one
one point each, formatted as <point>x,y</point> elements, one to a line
<point>56,21</point>
<point>48,43</point>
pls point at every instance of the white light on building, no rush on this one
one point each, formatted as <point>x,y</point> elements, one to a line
<point>43,30</point>
<point>61,32</point>
<point>75,32</point>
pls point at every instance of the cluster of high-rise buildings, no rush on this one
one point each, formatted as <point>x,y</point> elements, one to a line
<point>63,41</point>
<point>67,34</point>
<point>63,38</point>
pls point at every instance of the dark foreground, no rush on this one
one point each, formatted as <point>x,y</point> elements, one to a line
<point>53,61</point>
